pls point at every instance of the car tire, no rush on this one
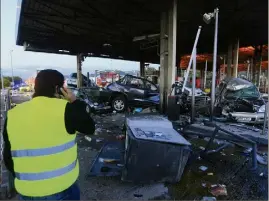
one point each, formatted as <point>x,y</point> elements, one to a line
<point>119,104</point>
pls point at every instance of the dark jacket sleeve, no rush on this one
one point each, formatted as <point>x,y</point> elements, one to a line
<point>77,118</point>
<point>7,151</point>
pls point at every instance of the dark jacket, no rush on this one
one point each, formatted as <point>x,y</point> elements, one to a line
<point>77,118</point>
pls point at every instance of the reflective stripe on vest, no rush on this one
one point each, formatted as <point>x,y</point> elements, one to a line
<point>43,151</point>
<point>46,175</point>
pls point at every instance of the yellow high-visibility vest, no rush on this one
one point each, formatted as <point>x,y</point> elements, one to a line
<point>44,154</point>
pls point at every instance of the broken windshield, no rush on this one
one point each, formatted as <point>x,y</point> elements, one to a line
<point>250,92</point>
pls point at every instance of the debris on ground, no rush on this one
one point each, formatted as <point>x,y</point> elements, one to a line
<point>210,174</point>
<point>204,185</point>
<point>138,195</point>
<point>203,168</point>
<point>88,138</point>
<point>262,159</point>
<point>209,199</point>
<point>218,190</point>
<point>120,137</point>
<point>108,160</point>
<point>99,140</point>
<point>248,150</point>
<point>202,148</point>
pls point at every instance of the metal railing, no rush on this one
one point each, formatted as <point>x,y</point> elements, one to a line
<point>7,181</point>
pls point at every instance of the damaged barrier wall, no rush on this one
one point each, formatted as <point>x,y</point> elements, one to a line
<point>6,180</point>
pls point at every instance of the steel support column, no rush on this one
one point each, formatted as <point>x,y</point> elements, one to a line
<point>229,60</point>
<point>168,36</point>
<point>79,71</point>
<point>142,68</point>
<point>236,55</point>
<point>163,61</point>
<point>172,41</point>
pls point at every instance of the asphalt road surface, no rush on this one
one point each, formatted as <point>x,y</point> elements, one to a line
<point>230,167</point>
<point>20,99</point>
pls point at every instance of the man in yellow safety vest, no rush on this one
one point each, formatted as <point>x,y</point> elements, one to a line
<point>40,140</point>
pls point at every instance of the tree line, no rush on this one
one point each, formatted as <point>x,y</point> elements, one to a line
<point>8,80</point>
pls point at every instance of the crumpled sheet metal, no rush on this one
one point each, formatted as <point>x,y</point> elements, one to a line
<point>236,84</point>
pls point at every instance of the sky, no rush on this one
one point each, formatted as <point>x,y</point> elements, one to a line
<point>25,63</point>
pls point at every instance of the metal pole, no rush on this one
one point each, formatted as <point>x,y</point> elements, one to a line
<point>95,76</point>
<point>193,87</point>
<point>236,55</point>
<point>88,78</point>
<point>224,63</point>
<point>259,75</point>
<point>11,65</point>
<point>189,66</point>
<point>79,69</point>
<point>248,70</point>
<point>2,80</point>
<point>205,74</point>
<point>214,63</point>
<point>265,119</point>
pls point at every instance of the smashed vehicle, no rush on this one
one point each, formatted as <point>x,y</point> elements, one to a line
<point>187,90</point>
<point>137,91</point>
<point>239,100</point>
<point>100,99</point>
<point>104,100</point>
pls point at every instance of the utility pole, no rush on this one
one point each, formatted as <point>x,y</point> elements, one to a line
<point>11,65</point>
<point>2,80</point>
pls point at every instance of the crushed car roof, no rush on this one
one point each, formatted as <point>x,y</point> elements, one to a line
<point>236,84</point>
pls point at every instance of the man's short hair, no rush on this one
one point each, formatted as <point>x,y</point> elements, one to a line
<point>46,82</point>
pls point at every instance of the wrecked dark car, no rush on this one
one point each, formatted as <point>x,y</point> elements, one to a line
<point>102,100</point>
<point>240,100</point>
<point>137,91</point>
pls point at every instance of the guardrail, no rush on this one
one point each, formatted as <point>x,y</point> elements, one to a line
<point>6,179</point>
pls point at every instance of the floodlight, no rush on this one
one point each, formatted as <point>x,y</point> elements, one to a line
<point>207,17</point>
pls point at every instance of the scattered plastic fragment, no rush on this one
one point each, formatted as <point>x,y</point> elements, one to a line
<point>137,110</point>
<point>120,137</point>
<point>114,112</point>
<point>199,158</point>
<point>138,195</point>
<point>203,168</point>
<point>204,185</point>
<point>219,190</point>
<point>223,154</point>
<point>209,199</point>
<point>210,174</point>
<point>261,175</point>
<point>99,140</point>
<point>262,159</point>
<point>108,160</point>
<point>88,138</point>
<point>247,151</point>
<point>202,148</point>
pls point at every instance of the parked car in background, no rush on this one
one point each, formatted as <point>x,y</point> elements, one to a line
<point>71,81</point>
<point>240,100</point>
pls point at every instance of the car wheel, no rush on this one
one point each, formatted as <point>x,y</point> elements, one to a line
<point>119,104</point>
